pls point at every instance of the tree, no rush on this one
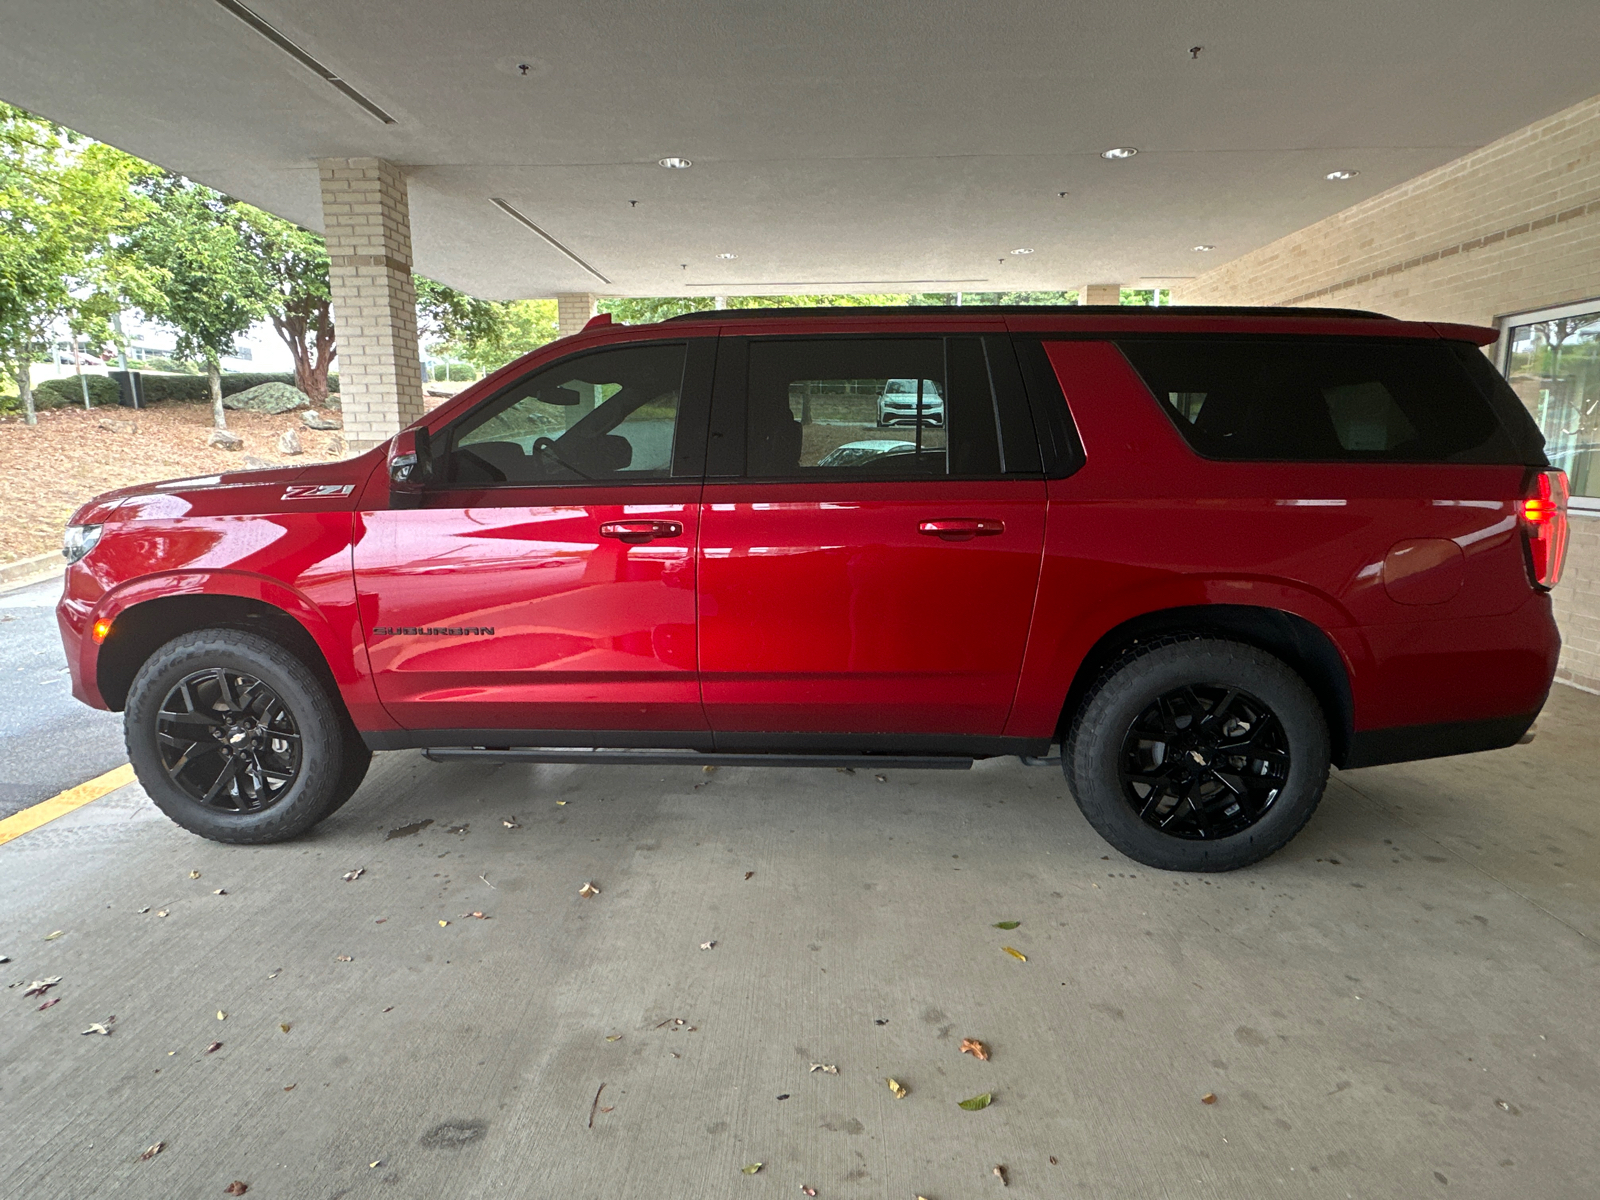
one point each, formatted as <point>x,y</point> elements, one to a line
<point>296,265</point>
<point>212,286</point>
<point>64,201</point>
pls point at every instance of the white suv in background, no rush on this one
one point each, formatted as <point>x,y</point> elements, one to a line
<point>898,403</point>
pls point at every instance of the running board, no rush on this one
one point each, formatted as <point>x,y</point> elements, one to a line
<point>694,758</point>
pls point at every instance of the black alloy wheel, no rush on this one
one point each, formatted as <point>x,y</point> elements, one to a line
<point>228,741</point>
<point>1197,753</point>
<point>237,739</point>
<point>1204,761</point>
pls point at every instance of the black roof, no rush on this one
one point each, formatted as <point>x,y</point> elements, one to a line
<point>1030,310</point>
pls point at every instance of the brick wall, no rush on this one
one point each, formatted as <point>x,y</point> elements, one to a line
<point>368,227</point>
<point>1510,227</point>
<point>573,311</point>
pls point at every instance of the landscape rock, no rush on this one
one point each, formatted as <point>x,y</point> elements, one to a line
<point>289,443</point>
<point>225,439</point>
<point>335,446</point>
<point>252,463</point>
<point>111,426</point>
<point>313,420</point>
<point>270,398</point>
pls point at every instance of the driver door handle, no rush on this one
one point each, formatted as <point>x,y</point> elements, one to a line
<point>961,529</point>
<point>637,532</point>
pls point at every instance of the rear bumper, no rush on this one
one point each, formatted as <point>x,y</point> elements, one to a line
<point>1406,743</point>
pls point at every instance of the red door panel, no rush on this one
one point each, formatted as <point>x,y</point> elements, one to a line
<point>825,607</point>
<point>525,615</point>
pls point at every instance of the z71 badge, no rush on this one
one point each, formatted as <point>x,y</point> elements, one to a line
<point>317,491</point>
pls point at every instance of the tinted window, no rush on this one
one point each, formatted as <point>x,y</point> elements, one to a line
<point>870,407</point>
<point>610,416</point>
<point>1324,400</point>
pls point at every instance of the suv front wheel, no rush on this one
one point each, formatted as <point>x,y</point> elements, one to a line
<point>1197,754</point>
<point>236,740</point>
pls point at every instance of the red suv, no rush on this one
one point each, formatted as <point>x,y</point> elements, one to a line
<point>1208,552</point>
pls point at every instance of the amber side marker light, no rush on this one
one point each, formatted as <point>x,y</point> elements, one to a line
<point>101,628</point>
<point>1544,524</point>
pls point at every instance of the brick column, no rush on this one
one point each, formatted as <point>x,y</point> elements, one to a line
<point>368,228</point>
<point>1100,293</point>
<point>573,310</point>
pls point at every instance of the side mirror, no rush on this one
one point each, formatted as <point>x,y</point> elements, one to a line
<point>410,468</point>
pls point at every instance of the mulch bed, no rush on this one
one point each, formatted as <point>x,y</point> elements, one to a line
<point>49,469</point>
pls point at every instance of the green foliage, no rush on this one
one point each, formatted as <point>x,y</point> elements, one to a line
<point>210,284</point>
<point>65,204</point>
<point>68,392</point>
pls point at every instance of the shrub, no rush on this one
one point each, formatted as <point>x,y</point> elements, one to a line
<point>68,392</point>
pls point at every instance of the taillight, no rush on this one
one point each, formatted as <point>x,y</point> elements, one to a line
<point>1544,522</point>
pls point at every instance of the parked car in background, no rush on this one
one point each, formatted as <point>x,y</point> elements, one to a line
<point>1200,554</point>
<point>900,403</point>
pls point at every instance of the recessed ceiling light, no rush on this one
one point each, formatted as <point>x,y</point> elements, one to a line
<point>1023,250</point>
<point>1341,174</point>
<point>675,164</point>
<point>1205,248</point>
<point>1119,152</point>
<point>726,255</point>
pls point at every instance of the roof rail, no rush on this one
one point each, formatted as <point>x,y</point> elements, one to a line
<point>1030,310</point>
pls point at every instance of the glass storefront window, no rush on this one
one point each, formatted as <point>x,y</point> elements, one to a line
<point>1553,363</point>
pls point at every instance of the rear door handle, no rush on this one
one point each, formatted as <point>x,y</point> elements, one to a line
<point>635,532</point>
<point>961,529</point>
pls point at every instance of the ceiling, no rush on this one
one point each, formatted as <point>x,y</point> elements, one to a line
<point>837,145</point>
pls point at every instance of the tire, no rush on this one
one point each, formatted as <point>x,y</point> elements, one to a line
<point>1197,754</point>
<point>293,764</point>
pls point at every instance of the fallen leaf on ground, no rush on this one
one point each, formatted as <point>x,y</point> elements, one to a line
<point>881,778</point>
<point>613,1037</point>
<point>810,1191</point>
<point>161,913</point>
<point>1208,1098</point>
<point>237,1188</point>
<point>975,1048</point>
<point>588,889</point>
<point>352,876</point>
<point>608,1108</point>
<point>276,973</point>
<point>880,1020</point>
<point>152,1152</point>
<point>707,945</point>
<point>291,1087</point>
<point>977,1102</point>
<point>214,1047</point>
<point>1015,953</point>
<point>221,1016</point>
<point>560,803</point>
<point>825,1068</point>
<point>1000,1174</point>
<point>194,874</point>
<point>51,1003</point>
<point>40,986</point>
<point>752,1168</point>
<point>899,1089</point>
<point>375,1165</point>
<point>511,823</point>
<point>50,937</point>
<point>343,958</point>
<point>1007,924</point>
<point>749,874</point>
<point>286,1027</point>
<point>475,915</point>
<point>709,770</point>
<point>220,892</point>
<point>1052,1160</point>
<point>143,910</point>
<point>97,1027</point>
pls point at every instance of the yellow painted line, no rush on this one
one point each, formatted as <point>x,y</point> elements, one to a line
<point>60,805</point>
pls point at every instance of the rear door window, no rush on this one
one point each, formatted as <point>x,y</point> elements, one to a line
<point>1324,400</point>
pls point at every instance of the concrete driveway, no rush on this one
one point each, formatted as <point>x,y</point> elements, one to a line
<point>1400,1004</point>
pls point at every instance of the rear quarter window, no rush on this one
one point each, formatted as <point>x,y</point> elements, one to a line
<point>1329,400</point>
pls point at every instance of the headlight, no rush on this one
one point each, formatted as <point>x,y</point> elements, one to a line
<point>79,540</point>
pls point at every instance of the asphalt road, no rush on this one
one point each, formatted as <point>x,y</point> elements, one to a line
<point>48,741</point>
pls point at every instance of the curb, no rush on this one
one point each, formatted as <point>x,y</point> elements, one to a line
<point>31,570</point>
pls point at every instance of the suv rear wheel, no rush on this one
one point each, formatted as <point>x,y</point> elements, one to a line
<point>236,740</point>
<point>1198,754</point>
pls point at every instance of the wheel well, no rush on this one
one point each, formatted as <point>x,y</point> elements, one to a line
<point>138,632</point>
<point>1293,639</point>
